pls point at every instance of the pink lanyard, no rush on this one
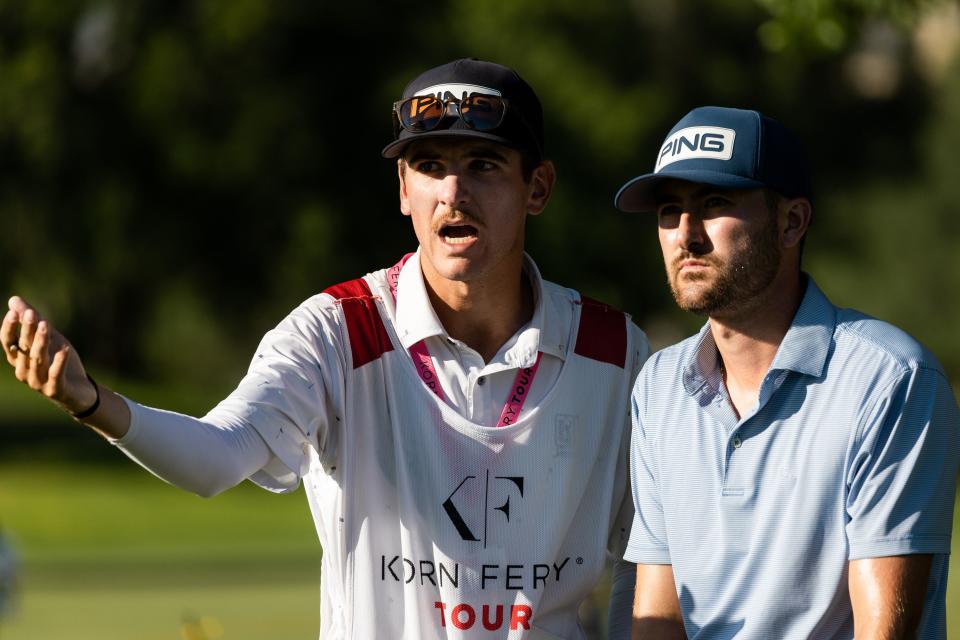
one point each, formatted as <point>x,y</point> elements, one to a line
<point>425,369</point>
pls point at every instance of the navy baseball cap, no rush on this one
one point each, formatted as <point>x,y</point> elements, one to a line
<point>727,148</point>
<point>522,124</point>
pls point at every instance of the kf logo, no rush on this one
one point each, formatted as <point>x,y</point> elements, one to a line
<point>497,490</point>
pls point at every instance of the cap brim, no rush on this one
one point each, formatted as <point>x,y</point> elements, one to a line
<point>637,195</point>
<point>396,147</point>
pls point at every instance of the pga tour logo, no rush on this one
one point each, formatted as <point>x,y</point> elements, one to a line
<point>696,142</point>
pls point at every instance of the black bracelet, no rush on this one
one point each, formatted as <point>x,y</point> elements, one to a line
<point>96,403</point>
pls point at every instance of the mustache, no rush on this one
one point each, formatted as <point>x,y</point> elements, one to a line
<point>455,217</point>
<point>687,255</point>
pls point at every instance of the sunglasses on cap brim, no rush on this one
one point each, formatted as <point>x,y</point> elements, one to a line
<point>479,111</point>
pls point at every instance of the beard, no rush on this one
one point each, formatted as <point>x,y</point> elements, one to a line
<point>737,283</point>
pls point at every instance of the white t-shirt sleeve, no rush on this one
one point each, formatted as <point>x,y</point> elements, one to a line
<point>266,428</point>
<point>189,453</point>
<point>291,394</point>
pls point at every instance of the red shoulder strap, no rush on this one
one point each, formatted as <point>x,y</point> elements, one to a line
<point>368,336</point>
<point>602,334</point>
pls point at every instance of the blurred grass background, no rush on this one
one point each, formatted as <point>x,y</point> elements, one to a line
<point>109,552</point>
<point>119,554</point>
<point>176,175</point>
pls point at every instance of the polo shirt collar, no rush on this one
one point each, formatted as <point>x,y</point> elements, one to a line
<point>701,367</point>
<point>804,348</point>
<point>416,320</point>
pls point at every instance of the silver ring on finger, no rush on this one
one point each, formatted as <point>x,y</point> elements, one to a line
<point>13,348</point>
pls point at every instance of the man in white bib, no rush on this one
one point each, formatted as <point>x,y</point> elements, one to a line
<point>460,424</point>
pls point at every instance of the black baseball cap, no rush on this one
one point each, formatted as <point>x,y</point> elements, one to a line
<point>522,125</point>
<point>727,148</point>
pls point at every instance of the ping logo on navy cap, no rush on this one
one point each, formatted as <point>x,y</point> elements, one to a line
<point>456,91</point>
<point>696,142</point>
<point>469,98</point>
<point>726,148</point>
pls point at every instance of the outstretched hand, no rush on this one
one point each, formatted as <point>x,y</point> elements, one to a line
<point>44,359</point>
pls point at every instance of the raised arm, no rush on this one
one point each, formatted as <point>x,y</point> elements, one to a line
<point>44,360</point>
<point>202,456</point>
<point>887,595</point>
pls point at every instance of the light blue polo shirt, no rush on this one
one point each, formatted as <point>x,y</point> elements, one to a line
<point>851,452</point>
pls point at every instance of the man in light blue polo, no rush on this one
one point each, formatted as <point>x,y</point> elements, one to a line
<point>794,464</point>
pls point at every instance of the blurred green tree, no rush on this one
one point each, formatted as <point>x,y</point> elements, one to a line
<point>177,175</point>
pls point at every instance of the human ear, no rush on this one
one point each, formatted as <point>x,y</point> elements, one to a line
<point>404,199</point>
<point>795,218</point>
<point>542,179</point>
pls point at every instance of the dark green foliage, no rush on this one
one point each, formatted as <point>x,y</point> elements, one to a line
<point>177,175</point>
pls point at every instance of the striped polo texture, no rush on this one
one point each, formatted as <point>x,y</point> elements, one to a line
<point>850,452</point>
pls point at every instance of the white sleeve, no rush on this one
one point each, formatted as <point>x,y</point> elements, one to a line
<point>192,454</point>
<point>266,428</point>
<point>292,394</point>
